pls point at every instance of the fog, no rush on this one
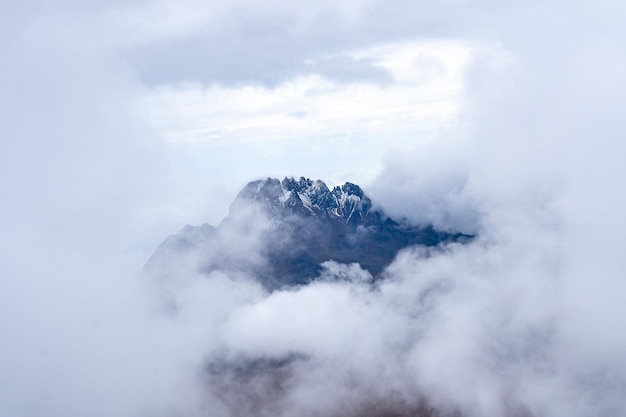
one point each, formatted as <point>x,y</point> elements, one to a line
<point>523,321</point>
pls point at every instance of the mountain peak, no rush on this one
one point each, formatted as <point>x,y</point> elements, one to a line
<point>346,203</point>
<point>309,224</point>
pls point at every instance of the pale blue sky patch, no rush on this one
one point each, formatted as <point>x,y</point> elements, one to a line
<point>313,125</point>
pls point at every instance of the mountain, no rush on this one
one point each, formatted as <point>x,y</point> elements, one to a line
<point>281,232</point>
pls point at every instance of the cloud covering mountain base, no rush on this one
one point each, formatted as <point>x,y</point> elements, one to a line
<point>524,321</point>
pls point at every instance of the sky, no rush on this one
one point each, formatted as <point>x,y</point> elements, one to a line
<point>123,121</point>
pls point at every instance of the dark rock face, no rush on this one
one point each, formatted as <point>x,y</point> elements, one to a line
<point>346,204</point>
<point>306,225</point>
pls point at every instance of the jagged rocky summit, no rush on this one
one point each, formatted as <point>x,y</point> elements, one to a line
<point>281,232</point>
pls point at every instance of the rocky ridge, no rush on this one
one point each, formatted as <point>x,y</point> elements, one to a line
<point>281,232</point>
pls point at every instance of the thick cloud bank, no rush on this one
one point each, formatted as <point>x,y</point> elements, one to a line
<point>524,321</point>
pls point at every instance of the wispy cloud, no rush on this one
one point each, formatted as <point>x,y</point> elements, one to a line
<point>426,90</point>
<point>523,321</point>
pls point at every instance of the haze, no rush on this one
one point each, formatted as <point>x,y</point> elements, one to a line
<point>120,122</point>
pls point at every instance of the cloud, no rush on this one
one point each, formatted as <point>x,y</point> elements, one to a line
<point>311,125</point>
<point>76,168</point>
<point>268,44</point>
<point>523,321</point>
<point>537,169</point>
<point>236,62</point>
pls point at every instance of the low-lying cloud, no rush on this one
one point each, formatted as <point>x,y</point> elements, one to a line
<point>523,321</point>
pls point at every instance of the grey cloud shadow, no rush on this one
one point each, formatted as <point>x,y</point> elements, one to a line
<point>238,62</point>
<point>247,49</point>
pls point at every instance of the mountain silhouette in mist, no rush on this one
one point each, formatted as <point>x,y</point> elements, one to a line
<point>281,232</point>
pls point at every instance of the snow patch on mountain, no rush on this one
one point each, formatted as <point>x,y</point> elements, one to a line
<point>346,203</point>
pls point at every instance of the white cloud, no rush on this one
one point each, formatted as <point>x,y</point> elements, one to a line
<point>527,318</point>
<point>313,104</point>
<point>312,125</point>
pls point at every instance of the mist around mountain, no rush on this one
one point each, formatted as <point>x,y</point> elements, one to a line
<point>285,232</point>
<point>526,320</point>
<point>290,236</point>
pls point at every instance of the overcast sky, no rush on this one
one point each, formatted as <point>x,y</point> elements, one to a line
<point>120,122</point>
<point>214,94</point>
